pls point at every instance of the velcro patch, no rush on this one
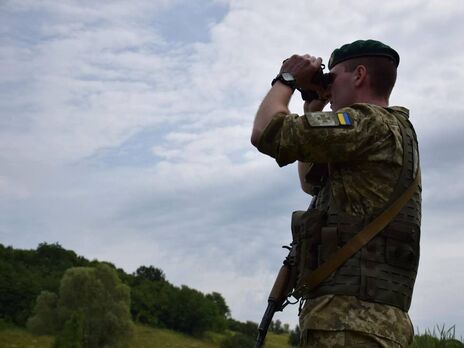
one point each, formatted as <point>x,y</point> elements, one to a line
<point>328,119</point>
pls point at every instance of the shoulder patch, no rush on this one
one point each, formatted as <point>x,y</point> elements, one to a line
<point>328,119</point>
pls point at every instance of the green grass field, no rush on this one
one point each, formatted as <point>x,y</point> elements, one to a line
<point>145,337</point>
<point>20,338</point>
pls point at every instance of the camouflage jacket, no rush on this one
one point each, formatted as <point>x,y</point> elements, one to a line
<point>366,139</point>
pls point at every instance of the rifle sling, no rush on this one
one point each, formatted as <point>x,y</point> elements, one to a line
<point>313,279</point>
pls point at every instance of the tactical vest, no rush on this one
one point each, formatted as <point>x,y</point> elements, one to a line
<point>385,269</point>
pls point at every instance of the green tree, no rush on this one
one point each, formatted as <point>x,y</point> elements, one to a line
<point>150,273</point>
<point>103,301</point>
<point>151,302</point>
<point>294,337</point>
<point>190,312</point>
<point>93,307</point>
<point>277,326</point>
<point>45,319</point>
<point>220,302</point>
<point>72,334</point>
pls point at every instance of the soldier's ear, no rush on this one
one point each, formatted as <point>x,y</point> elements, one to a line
<point>359,75</point>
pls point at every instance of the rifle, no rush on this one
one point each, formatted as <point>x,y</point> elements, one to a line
<point>280,293</point>
<point>282,288</point>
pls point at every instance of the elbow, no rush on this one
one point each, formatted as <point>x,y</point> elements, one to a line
<point>255,136</point>
<point>307,189</point>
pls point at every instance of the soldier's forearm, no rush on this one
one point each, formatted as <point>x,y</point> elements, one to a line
<point>274,102</point>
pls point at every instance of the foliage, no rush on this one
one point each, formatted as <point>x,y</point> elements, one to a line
<point>72,334</point>
<point>439,337</point>
<point>149,273</point>
<point>46,321</point>
<point>192,312</point>
<point>278,327</point>
<point>30,281</point>
<point>160,304</point>
<point>25,273</point>
<point>93,304</point>
<point>238,340</point>
<point>294,337</point>
<point>220,302</point>
<point>245,334</point>
<point>248,328</point>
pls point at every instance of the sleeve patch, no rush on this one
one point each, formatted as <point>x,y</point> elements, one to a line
<point>328,119</point>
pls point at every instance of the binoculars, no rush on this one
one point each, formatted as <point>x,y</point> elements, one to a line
<point>320,80</point>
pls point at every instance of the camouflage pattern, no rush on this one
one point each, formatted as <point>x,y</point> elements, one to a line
<point>338,339</point>
<point>347,313</point>
<point>371,151</point>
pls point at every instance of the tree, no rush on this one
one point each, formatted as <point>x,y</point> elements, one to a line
<point>72,334</point>
<point>150,273</point>
<point>92,307</point>
<point>191,312</point>
<point>151,302</point>
<point>45,320</point>
<point>220,302</point>
<point>294,337</point>
<point>103,301</point>
<point>248,329</point>
<point>278,326</point>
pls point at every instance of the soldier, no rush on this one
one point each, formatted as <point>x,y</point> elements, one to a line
<point>361,157</point>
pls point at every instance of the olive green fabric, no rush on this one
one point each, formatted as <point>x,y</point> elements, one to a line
<point>363,48</point>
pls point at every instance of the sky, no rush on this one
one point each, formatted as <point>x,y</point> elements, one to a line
<point>125,127</point>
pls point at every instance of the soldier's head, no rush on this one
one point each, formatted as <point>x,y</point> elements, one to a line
<point>362,71</point>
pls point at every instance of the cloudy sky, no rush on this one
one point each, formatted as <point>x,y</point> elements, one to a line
<point>124,134</point>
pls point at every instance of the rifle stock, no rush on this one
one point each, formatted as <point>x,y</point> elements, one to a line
<point>277,299</point>
<point>283,286</point>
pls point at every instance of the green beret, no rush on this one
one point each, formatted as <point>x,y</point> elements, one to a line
<point>363,48</point>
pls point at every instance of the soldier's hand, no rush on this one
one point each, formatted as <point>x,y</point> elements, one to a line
<point>302,69</point>
<point>315,105</point>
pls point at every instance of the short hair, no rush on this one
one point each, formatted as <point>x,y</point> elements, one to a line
<point>381,70</point>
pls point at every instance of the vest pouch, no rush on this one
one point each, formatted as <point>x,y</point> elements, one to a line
<point>402,254</point>
<point>306,231</point>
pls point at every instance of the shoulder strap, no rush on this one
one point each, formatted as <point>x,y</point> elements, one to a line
<point>313,279</point>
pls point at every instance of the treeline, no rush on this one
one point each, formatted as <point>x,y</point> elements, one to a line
<point>24,274</point>
<point>54,291</point>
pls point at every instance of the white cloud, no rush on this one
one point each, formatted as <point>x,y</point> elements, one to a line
<point>84,80</point>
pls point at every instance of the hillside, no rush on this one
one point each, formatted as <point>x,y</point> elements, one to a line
<point>146,337</point>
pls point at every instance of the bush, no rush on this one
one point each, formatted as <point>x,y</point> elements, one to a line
<point>45,321</point>
<point>238,340</point>
<point>92,310</point>
<point>248,329</point>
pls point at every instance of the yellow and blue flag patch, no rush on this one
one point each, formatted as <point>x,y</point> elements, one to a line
<point>344,118</point>
<point>329,119</point>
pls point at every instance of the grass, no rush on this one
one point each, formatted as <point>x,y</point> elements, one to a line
<point>13,337</point>
<point>439,337</point>
<point>145,337</point>
<point>148,337</point>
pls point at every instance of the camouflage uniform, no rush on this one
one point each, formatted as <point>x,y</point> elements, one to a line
<point>371,143</point>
